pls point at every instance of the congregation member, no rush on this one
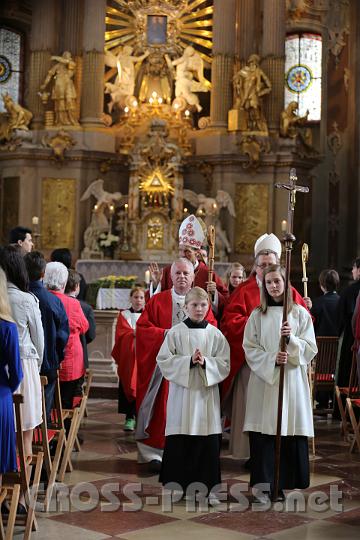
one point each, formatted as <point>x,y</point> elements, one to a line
<point>64,256</point>
<point>124,355</point>
<point>356,332</point>
<point>261,341</point>
<point>191,239</point>
<point>55,324</point>
<point>26,314</point>
<point>324,308</point>
<point>194,358</point>
<point>234,276</point>
<point>72,367</point>
<point>163,311</point>
<point>11,376</point>
<point>346,308</point>
<point>73,289</point>
<point>21,236</point>
<point>243,301</point>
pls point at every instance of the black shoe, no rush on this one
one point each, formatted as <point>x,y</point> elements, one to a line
<point>155,466</point>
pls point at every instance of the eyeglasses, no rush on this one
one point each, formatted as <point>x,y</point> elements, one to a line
<point>264,265</point>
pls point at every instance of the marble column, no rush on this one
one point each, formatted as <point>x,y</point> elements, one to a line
<point>247,29</point>
<point>223,61</point>
<point>71,40</point>
<point>273,55</point>
<point>92,96</point>
<point>43,44</point>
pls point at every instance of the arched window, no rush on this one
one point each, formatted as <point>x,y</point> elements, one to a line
<point>303,53</point>
<point>11,65</point>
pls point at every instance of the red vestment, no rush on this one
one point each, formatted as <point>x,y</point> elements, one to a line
<point>244,299</point>
<point>201,277</point>
<point>150,330</point>
<point>124,355</point>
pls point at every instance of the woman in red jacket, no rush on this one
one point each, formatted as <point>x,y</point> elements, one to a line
<point>72,367</point>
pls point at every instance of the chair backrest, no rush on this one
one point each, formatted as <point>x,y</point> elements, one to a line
<point>325,360</point>
<point>354,379</point>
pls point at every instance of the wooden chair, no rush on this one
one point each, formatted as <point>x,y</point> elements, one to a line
<point>324,366</point>
<point>13,503</point>
<point>352,392</point>
<point>41,440</point>
<point>351,404</point>
<point>21,477</point>
<point>75,415</point>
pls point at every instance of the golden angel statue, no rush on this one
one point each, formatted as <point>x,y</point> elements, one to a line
<point>16,117</point>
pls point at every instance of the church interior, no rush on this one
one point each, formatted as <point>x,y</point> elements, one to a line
<point>118,119</point>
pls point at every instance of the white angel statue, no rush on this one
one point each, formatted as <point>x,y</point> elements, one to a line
<point>208,208</point>
<point>124,84</point>
<point>189,76</point>
<point>104,200</point>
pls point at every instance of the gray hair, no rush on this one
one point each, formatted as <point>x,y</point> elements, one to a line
<point>56,276</point>
<point>264,252</point>
<point>181,260</point>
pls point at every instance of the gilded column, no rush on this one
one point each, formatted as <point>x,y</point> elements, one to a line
<point>223,61</point>
<point>273,54</point>
<point>92,96</point>
<point>43,44</point>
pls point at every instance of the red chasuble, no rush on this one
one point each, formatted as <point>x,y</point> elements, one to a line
<point>124,355</point>
<point>243,301</point>
<point>201,277</point>
<point>150,329</point>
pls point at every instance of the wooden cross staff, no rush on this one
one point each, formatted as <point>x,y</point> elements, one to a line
<point>288,240</point>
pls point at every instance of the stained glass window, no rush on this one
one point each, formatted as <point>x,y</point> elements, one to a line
<point>10,64</point>
<point>303,73</point>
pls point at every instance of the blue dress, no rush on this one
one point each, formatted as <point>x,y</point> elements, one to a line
<point>10,377</point>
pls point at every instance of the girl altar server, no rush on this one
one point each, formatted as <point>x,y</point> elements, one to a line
<point>124,355</point>
<point>261,345</point>
<point>194,357</point>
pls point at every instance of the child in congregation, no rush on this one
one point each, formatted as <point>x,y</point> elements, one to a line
<point>261,345</point>
<point>124,355</point>
<point>195,358</point>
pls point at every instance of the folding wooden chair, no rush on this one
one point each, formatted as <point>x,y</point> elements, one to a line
<point>75,415</point>
<point>351,404</point>
<point>352,392</point>
<point>21,477</point>
<point>13,503</point>
<point>324,366</point>
<point>41,439</point>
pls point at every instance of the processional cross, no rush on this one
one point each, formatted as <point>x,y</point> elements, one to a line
<point>288,240</point>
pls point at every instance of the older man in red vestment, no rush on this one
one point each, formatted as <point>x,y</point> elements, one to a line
<point>243,301</point>
<point>163,311</point>
<point>191,240</point>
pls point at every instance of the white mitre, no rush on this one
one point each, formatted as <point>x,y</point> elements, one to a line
<point>191,233</point>
<point>268,242</point>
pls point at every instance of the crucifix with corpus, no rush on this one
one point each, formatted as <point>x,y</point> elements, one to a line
<point>288,240</point>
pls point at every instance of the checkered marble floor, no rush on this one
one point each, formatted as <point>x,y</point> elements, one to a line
<point>109,495</point>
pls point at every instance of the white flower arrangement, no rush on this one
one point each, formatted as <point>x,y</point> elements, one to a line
<point>107,239</point>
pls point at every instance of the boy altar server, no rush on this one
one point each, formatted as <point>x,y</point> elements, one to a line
<point>194,357</point>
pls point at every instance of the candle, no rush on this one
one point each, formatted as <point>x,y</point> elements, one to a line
<point>284,225</point>
<point>112,208</point>
<point>147,277</point>
<point>95,207</point>
<point>126,207</point>
<point>35,220</point>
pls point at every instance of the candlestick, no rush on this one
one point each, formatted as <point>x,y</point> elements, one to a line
<point>35,220</point>
<point>147,277</point>
<point>284,225</point>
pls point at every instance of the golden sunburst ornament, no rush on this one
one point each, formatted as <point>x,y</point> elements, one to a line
<point>159,26</point>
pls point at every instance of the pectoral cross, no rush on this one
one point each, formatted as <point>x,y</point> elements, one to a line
<point>292,188</point>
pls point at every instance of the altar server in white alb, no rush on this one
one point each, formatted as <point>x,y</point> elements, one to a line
<point>194,357</point>
<point>262,345</point>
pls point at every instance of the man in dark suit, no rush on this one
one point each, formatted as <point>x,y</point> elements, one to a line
<point>324,308</point>
<point>54,321</point>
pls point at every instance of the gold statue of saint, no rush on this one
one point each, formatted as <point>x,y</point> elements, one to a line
<point>250,85</point>
<point>290,121</point>
<point>63,91</point>
<point>16,117</point>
